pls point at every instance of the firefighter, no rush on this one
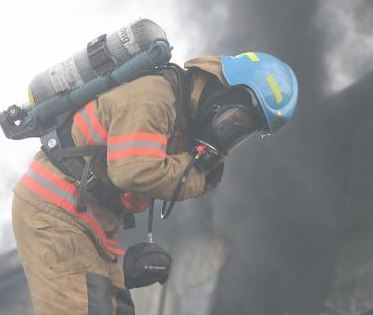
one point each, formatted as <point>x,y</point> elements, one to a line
<point>151,128</point>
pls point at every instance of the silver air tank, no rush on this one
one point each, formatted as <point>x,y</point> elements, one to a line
<point>101,56</point>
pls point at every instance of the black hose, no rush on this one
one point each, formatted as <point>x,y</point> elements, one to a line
<point>167,207</point>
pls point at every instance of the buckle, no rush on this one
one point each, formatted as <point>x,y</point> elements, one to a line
<point>50,141</point>
<point>91,180</point>
<point>99,56</point>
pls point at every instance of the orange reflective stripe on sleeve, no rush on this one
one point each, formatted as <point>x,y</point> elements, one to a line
<point>95,123</point>
<point>140,136</point>
<point>64,194</point>
<point>89,125</point>
<point>136,144</point>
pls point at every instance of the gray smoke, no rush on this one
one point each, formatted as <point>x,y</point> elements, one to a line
<point>349,40</point>
<point>14,296</point>
<point>282,204</point>
<point>285,201</point>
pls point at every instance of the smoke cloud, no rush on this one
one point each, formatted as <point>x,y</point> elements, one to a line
<point>285,201</point>
<point>349,40</point>
<point>281,204</point>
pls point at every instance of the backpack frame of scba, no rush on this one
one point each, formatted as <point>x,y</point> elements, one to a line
<point>56,94</point>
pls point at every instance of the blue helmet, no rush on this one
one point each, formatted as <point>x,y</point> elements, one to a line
<point>272,81</point>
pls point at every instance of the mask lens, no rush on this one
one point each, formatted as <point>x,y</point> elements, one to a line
<point>232,125</point>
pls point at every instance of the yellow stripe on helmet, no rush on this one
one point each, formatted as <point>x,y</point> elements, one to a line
<point>252,56</point>
<point>31,98</point>
<point>272,82</point>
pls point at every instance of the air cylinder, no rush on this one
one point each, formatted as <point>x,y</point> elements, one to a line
<point>102,55</point>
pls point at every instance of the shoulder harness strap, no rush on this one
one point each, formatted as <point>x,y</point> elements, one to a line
<point>59,147</point>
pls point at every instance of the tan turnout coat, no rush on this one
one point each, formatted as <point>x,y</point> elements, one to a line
<point>60,247</point>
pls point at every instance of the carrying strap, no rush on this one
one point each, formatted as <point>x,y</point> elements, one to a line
<point>179,80</point>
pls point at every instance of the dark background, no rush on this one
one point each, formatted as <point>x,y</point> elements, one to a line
<point>289,201</point>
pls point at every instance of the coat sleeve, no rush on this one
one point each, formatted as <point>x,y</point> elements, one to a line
<point>142,117</point>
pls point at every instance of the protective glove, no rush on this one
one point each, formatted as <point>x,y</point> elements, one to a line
<point>214,176</point>
<point>210,160</point>
<point>145,264</point>
<point>208,157</point>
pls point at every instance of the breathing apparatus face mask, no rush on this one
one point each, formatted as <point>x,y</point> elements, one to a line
<point>227,119</point>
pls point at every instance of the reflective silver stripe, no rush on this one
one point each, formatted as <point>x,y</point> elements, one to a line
<point>95,136</point>
<point>136,144</point>
<point>52,187</point>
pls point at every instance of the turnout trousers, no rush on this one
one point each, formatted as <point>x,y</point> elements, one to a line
<point>65,273</point>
